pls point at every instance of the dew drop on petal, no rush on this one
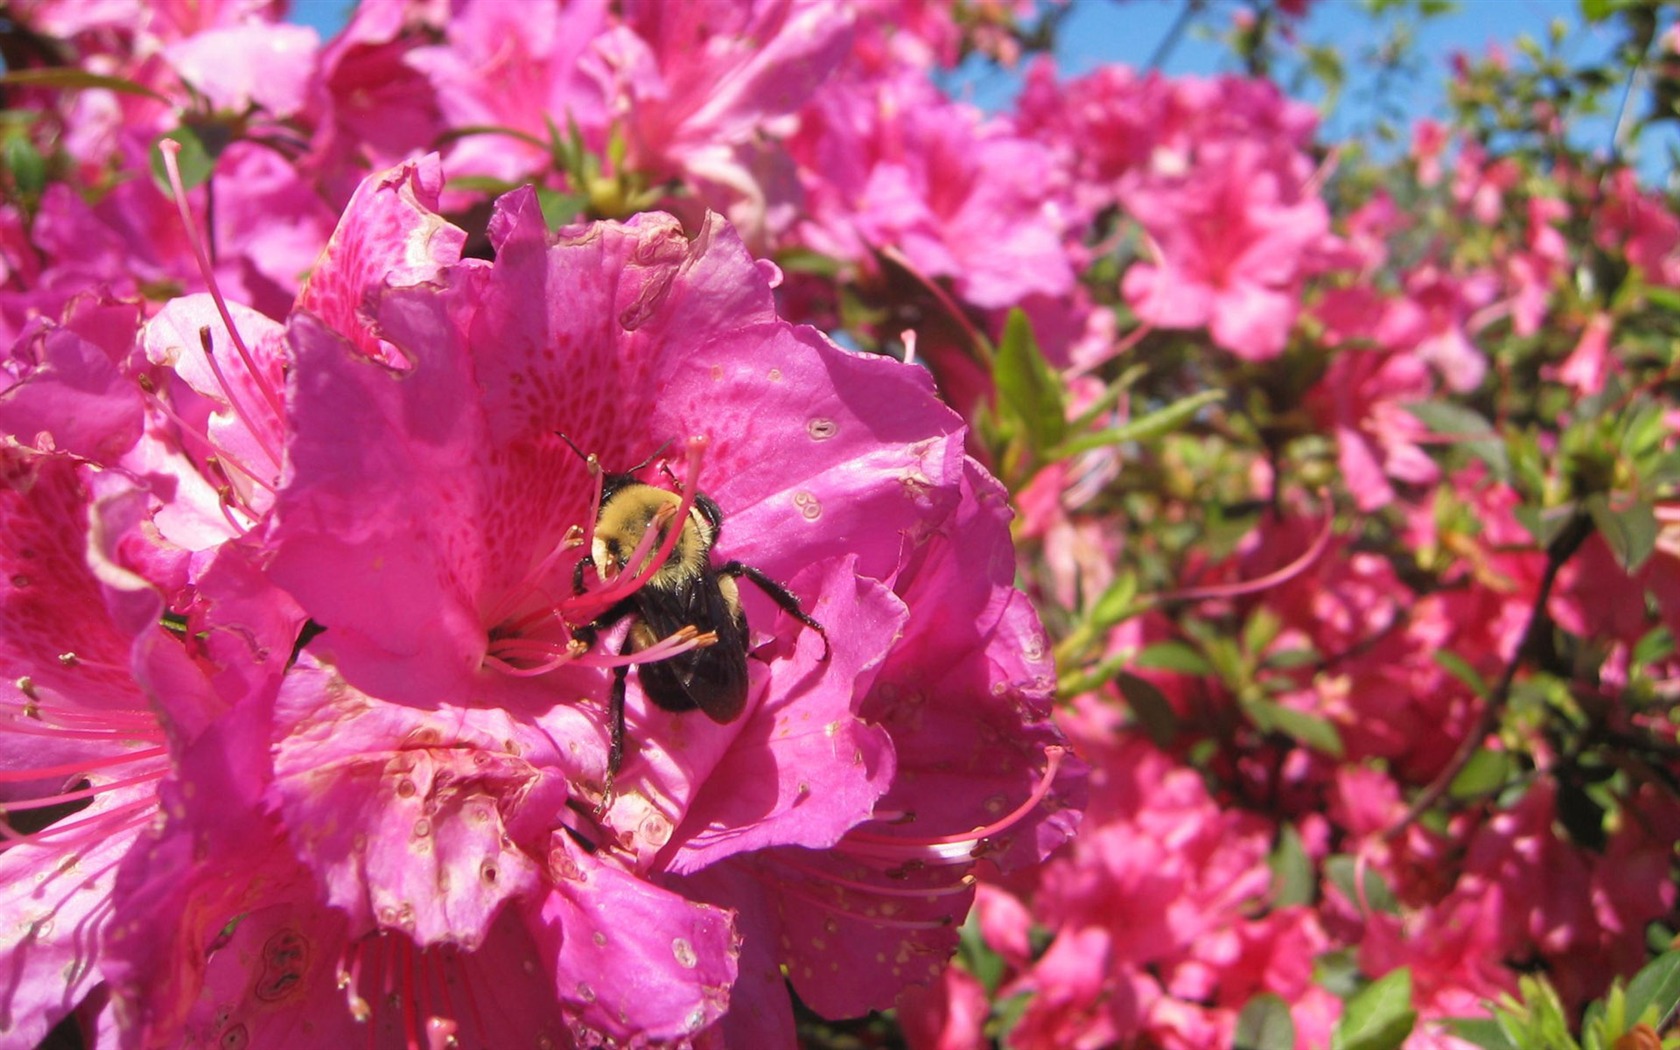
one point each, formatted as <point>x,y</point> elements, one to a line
<point>586,993</point>
<point>405,788</point>
<point>600,939</point>
<point>422,828</point>
<point>684,953</point>
<point>820,428</point>
<point>808,505</point>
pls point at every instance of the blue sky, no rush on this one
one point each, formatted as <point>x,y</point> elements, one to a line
<point>1100,31</point>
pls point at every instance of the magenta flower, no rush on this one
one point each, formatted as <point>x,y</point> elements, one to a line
<point>438,802</point>
<point>1235,235</point>
<point>891,163</point>
<point>81,751</point>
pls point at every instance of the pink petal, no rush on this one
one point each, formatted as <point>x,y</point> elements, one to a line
<point>631,960</point>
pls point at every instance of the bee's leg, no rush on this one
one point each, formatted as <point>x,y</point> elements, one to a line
<point>778,594</point>
<point>577,573</point>
<point>615,733</point>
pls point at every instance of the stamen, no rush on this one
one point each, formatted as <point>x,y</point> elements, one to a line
<point>534,647</point>
<point>205,446</point>
<point>31,727</point>
<point>409,1003</point>
<point>640,556</point>
<point>85,766</point>
<point>533,581</point>
<point>413,981</point>
<point>209,347</point>
<point>472,1004</point>
<point>351,981</point>
<point>171,150</point>
<point>952,849</point>
<point>627,583</point>
<point>76,796</point>
<point>111,822</point>
<point>436,963</point>
<point>71,658</point>
<point>225,503</point>
<point>525,672</point>
<point>680,641</point>
<point>108,719</point>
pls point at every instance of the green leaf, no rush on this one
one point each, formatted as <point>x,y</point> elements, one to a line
<point>1312,730</point>
<point>1337,972</point>
<point>1631,532</point>
<point>1292,870</point>
<point>1450,419</point>
<point>1261,630</point>
<point>977,956</point>
<point>1667,298</point>
<point>1460,668</point>
<point>26,165</point>
<point>559,208</point>
<point>1264,1024</point>
<point>195,161</point>
<point>1485,1032</point>
<point>1544,525</point>
<point>1150,707</point>
<point>76,79</point>
<point>1473,432</point>
<point>1116,603</point>
<point>1656,987</point>
<point>1485,774</point>
<point>1006,1014</point>
<point>1379,1016</point>
<point>1156,424</point>
<point>1174,656</point>
<point>1289,659</point>
<point>1656,644</point>
<point>1341,870</point>
<point>1029,390</point>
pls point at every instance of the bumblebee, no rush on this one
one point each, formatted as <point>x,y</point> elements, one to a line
<point>687,591</point>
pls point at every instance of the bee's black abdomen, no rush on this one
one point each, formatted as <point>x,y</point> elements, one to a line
<point>712,678</point>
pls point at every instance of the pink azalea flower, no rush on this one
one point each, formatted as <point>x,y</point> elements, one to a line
<point>890,163</point>
<point>81,751</point>
<point>709,91</point>
<point>951,1017</point>
<point>1590,363</point>
<point>440,751</point>
<point>517,67</point>
<point>1361,400</point>
<point>1155,901</point>
<point>1637,225</point>
<point>1434,321</point>
<point>372,109</point>
<point>1233,236</point>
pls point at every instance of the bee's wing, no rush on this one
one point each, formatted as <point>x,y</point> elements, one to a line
<point>714,678</point>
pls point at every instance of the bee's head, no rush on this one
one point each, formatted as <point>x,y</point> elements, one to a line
<point>630,508</point>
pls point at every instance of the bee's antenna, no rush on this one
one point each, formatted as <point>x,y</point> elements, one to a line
<point>660,451</point>
<point>570,445</point>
